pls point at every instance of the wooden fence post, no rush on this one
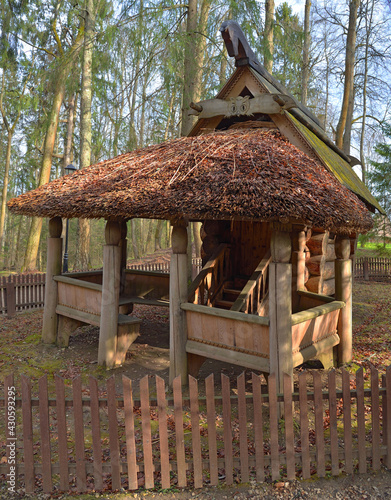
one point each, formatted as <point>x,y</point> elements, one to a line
<point>11,296</point>
<point>366,268</point>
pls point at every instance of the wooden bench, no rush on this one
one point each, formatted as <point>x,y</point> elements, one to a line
<point>70,319</point>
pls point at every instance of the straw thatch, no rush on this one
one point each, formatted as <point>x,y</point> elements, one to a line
<point>238,174</point>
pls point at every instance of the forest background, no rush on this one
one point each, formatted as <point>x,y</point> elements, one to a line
<point>83,82</point>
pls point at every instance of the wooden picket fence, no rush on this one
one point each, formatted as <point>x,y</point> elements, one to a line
<point>20,292</point>
<point>372,267</point>
<point>164,267</point>
<point>84,438</point>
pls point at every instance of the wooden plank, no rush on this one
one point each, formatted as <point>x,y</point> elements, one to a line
<point>388,414</point>
<point>95,432</point>
<point>362,459</point>
<point>163,433</point>
<point>313,350</point>
<point>304,426</point>
<point>384,410</point>
<point>28,450</point>
<point>314,312</point>
<point>227,424</point>
<point>375,416</point>
<point>258,428</point>
<point>129,433</point>
<point>319,432</point>
<point>79,435</point>
<point>113,434</point>
<point>289,436</point>
<point>179,434</point>
<point>211,422</point>
<point>44,428</point>
<point>347,423</point>
<point>333,423</point>
<point>62,433</point>
<point>147,434</point>
<point>195,432</point>
<point>228,355</point>
<point>273,416</point>
<point>243,438</point>
<point>222,313</point>
<point>77,283</point>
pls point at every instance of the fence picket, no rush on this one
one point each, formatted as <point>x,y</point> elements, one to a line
<point>362,462</point>
<point>304,437</point>
<point>228,451</point>
<point>95,432</point>
<point>79,435</point>
<point>273,423</point>
<point>319,432</point>
<point>258,427</point>
<point>347,423</point>
<point>333,423</point>
<point>163,433</point>
<point>129,433</point>
<point>62,433</point>
<point>195,432</point>
<point>45,434</point>
<point>10,429</point>
<point>243,439</point>
<point>211,422</point>
<point>28,449</point>
<point>289,437</point>
<point>375,416</point>
<point>146,429</point>
<point>179,434</point>
<point>388,414</point>
<point>113,434</point>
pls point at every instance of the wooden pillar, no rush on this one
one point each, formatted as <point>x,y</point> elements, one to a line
<point>298,264</point>
<point>280,304</point>
<point>178,294</point>
<point>110,295</point>
<point>124,253</point>
<point>343,291</point>
<point>53,268</point>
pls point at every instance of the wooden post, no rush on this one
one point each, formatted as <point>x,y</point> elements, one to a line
<point>366,269</point>
<point>124,253</point>
<point>280,304</point>
<point>110,295</point>
<point>53,268</point>
<point>343,291</point>
<point>10,288</point>
<point>178,294</point>
<point>298,264</point>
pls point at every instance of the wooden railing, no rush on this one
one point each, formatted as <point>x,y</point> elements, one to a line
<point>252,295</point>
<point>207,284</point>
<point>83,438</point>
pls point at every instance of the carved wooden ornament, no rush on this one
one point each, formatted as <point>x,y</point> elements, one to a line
<point>238,106</point>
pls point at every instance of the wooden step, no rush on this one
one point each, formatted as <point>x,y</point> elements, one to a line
<point>230,294</point>
<point>240,282</point>
<point>224,304</point>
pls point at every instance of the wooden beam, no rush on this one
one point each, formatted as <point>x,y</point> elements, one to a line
<point>53,267</point>
<point>314,312</point>
<point>313,350</point>
<point>228,355</point>
<point>223,313</point>
<point>343,291</point>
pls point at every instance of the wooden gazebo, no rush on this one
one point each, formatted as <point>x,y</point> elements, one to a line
<point>281,209</point>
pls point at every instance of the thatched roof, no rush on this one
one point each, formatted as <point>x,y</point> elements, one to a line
<point>238,174</point>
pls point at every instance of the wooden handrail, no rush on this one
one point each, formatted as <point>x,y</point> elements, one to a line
<point>209,277</point>
<point>244,302</point>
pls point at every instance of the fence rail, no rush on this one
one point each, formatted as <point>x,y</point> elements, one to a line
<point>85,438</point>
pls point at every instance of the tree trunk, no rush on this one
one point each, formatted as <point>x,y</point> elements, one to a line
<point>70,126</point>
<point>306,53</point>
<point>349,71</point>
<point>197,238</point>
<point>5,187</point>
<point>85,125</point>
<point>158,235</point>
<point>269,26</point>
<point>189,67</point>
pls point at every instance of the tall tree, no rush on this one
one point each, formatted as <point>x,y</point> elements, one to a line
<point>345,117</point>
<point>306,53</point>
